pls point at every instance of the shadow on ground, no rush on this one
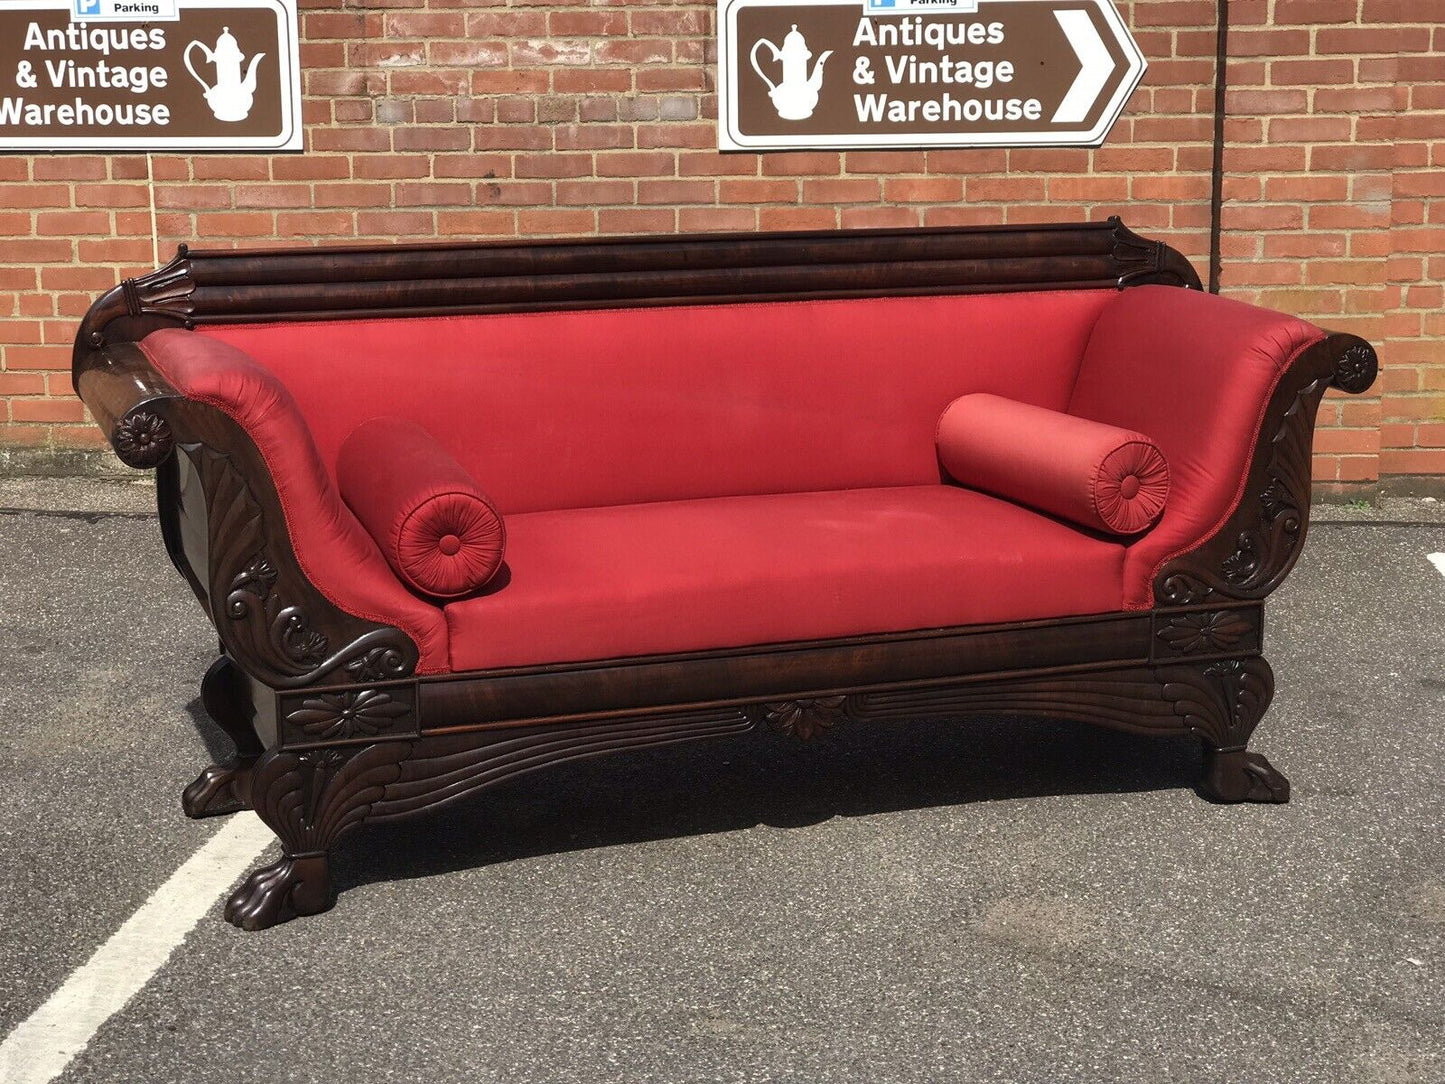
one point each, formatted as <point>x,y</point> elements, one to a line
<point>762,778</point>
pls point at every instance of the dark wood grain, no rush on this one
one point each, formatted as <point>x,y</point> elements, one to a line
<point>509,276</point>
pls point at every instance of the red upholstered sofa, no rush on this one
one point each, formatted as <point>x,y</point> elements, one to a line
<point>461,512</point>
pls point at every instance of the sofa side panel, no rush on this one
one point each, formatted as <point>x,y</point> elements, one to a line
<point>331,549</point>
<point>1195,373</point>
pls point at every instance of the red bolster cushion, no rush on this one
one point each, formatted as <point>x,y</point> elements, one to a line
<point>432,522</point>
<point>1098,476</point>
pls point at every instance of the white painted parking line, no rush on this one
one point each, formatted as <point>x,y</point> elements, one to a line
<point>1438,560</point>
<point>40,1048</point>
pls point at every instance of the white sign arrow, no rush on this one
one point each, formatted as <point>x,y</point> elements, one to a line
<point>1096,67</point>
<point>917,73</point>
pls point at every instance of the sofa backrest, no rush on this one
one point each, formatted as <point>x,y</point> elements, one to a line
<point>567,409</point>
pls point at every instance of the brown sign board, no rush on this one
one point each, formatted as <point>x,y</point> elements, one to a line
<point>848,74</point>
<point>192,75</point>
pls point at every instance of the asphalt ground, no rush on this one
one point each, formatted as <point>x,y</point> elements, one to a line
<point>1004,899</point>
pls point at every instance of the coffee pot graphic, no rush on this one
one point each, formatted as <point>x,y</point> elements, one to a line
<point>232,97</point>
<point>797,95</point>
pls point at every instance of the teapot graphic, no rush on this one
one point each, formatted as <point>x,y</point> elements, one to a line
<point>797,95</point>
<point>232,97</point>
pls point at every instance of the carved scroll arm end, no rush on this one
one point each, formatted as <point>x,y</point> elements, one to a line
<point>1356,364</point>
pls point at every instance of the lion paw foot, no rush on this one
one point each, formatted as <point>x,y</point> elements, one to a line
<point>284,890</point>
<point>221,788</point>
<point>1240,776</point>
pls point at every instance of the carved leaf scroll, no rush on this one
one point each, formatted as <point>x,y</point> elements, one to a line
<point>1266,549</point>
<point>270,634</point>
<point>167,291</point>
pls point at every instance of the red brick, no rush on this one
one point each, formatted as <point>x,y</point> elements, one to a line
<point>417,127</point>
<point>636,220</point>
<point>701,219</point>
<point>68,409</point>
<point>676,191</point>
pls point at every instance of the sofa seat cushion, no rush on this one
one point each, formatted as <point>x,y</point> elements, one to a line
<point>646,579</point>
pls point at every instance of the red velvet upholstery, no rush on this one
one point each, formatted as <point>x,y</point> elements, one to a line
<point>1195,372</point>
<point>677,576</point>
<point>335,552</point>
<point>816,422</point>
<point>583,409</point>
<point>1098,476</point>
<point>434,524</point>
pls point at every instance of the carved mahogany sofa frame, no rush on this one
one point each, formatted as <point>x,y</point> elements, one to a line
<point>1192,664</point>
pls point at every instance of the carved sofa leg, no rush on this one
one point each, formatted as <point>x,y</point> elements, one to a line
<point>224,788</point>
<point>219,789</point>
<point>1223,702</point>
<point>310,799</point>
<point>1236,775</point>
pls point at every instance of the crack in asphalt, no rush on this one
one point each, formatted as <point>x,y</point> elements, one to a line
<point>87,517</point>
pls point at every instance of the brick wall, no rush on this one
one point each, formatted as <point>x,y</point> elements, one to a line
<point>462,118</point>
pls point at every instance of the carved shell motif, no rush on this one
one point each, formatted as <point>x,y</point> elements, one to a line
<point>805,718</point>
<point>1222,701</point>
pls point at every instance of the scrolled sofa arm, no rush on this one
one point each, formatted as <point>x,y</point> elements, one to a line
<point>167,391</point>
<point>1229,392</point>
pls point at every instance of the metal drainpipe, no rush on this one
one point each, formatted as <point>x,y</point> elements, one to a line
<point>1216,193</point>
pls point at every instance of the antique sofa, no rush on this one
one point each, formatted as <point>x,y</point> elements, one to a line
<point>461,512</point>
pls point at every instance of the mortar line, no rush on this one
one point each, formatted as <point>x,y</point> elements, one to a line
<point>155,230</point>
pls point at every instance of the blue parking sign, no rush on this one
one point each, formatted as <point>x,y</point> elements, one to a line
<point>87,7</point>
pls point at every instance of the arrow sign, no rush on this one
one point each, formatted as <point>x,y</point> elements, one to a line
<point>844,74</point>
<point>1095,66</point>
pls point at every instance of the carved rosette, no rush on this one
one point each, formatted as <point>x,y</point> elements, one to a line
<point>804,719</point>
<point>352,713</point>
<point>142,439</point>
<point>271,635</point>
<point>1357,369</point>
<point>1207,632</point>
